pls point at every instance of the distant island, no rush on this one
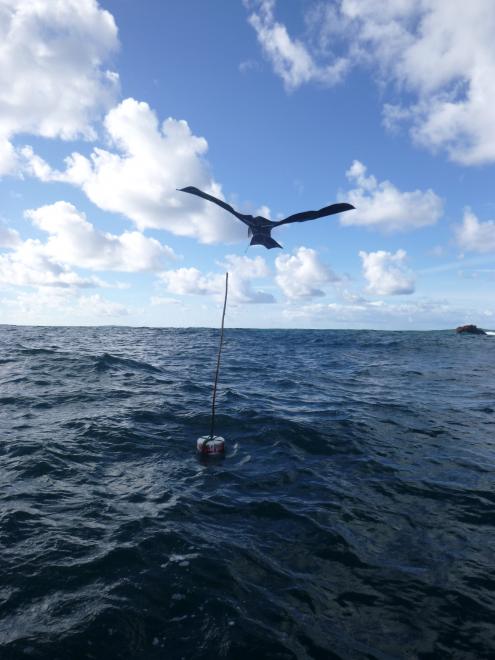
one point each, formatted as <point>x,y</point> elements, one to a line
<point>470,329</point>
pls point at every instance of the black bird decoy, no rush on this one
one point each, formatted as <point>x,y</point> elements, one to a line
<point>260,228</point>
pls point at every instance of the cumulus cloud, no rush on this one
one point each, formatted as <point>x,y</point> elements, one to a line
<point>63,306</point>
<point>34,306</point>
<point>387,273</point>
<point>53,78</point>
<point>383,206</point>
<point>96,305</point>
<point>476,236</point>
<point>455,97</point>
<point>8,156</point>
<point>29,265</point>
<point>9,238</point>
<point>75,241</point>
<point>183,281</point>
<point>421,313</point>
<point>156,301</point>
<point>438,55</point>
<point>242,270</point>
<point>139,179</point>
<point>299,275</point>
<point>290,58</point>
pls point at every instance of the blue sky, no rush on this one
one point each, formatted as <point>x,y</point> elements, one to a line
<point>106,108</point>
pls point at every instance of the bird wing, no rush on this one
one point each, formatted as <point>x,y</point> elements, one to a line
<point>196,191</point>
<point>313,215</point>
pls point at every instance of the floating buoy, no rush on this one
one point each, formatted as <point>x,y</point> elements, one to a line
<point>211,446</point>
<point>214,445</point>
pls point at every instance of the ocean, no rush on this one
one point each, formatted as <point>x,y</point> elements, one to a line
<point>352,516</point>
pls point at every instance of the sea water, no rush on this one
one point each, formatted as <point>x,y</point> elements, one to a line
<point>352,517</point>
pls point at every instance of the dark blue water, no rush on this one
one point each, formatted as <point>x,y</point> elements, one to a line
<point>353,516</point>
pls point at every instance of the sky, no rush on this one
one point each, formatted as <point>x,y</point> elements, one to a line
<point>107,108</point>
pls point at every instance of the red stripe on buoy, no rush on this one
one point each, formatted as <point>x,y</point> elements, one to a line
<point>211,446</point>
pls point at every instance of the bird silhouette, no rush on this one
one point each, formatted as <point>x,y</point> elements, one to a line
<point>260,228</point>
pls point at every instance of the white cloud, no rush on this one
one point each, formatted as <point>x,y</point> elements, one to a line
<point>53,80</point>
<point>96,305</point>
<point>8,156</point>
<point>9,238</point>
<point>60,306</point>
<point>290,58</point>
<point>75,241</point>
<point>156,301</point>
<point>438,55</point>
<point>444,56</point>
<point>139,179</point>
<point>191,281</point>
<point>299,275</point>
<point>29,265</point>
<point>35,306</point>
<point>248,65</point>
<point>476,236</point>
<point>421,313</point>
<point>455,96</point>
<point>242,270</point>
<point>383,206</point>
<point>386,273</point>
<point>264,211</point>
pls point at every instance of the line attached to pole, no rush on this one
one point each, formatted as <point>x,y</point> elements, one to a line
<point>212,427</point>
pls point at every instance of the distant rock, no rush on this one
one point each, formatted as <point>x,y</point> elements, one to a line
<point>470,329</point>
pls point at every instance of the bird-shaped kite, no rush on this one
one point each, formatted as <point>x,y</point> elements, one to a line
<point>260,228</point>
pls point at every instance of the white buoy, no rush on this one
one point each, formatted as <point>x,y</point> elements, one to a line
<point>214,445</point>
<point>208,446</point>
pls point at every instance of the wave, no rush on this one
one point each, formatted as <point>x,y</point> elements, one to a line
<point>352,516</point>
<point>106,362</point>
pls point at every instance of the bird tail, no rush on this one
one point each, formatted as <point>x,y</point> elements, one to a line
<point>267,241</point>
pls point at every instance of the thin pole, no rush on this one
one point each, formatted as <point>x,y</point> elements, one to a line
<point>212,428</point>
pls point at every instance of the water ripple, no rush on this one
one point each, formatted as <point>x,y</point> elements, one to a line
<point>352,517</point>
